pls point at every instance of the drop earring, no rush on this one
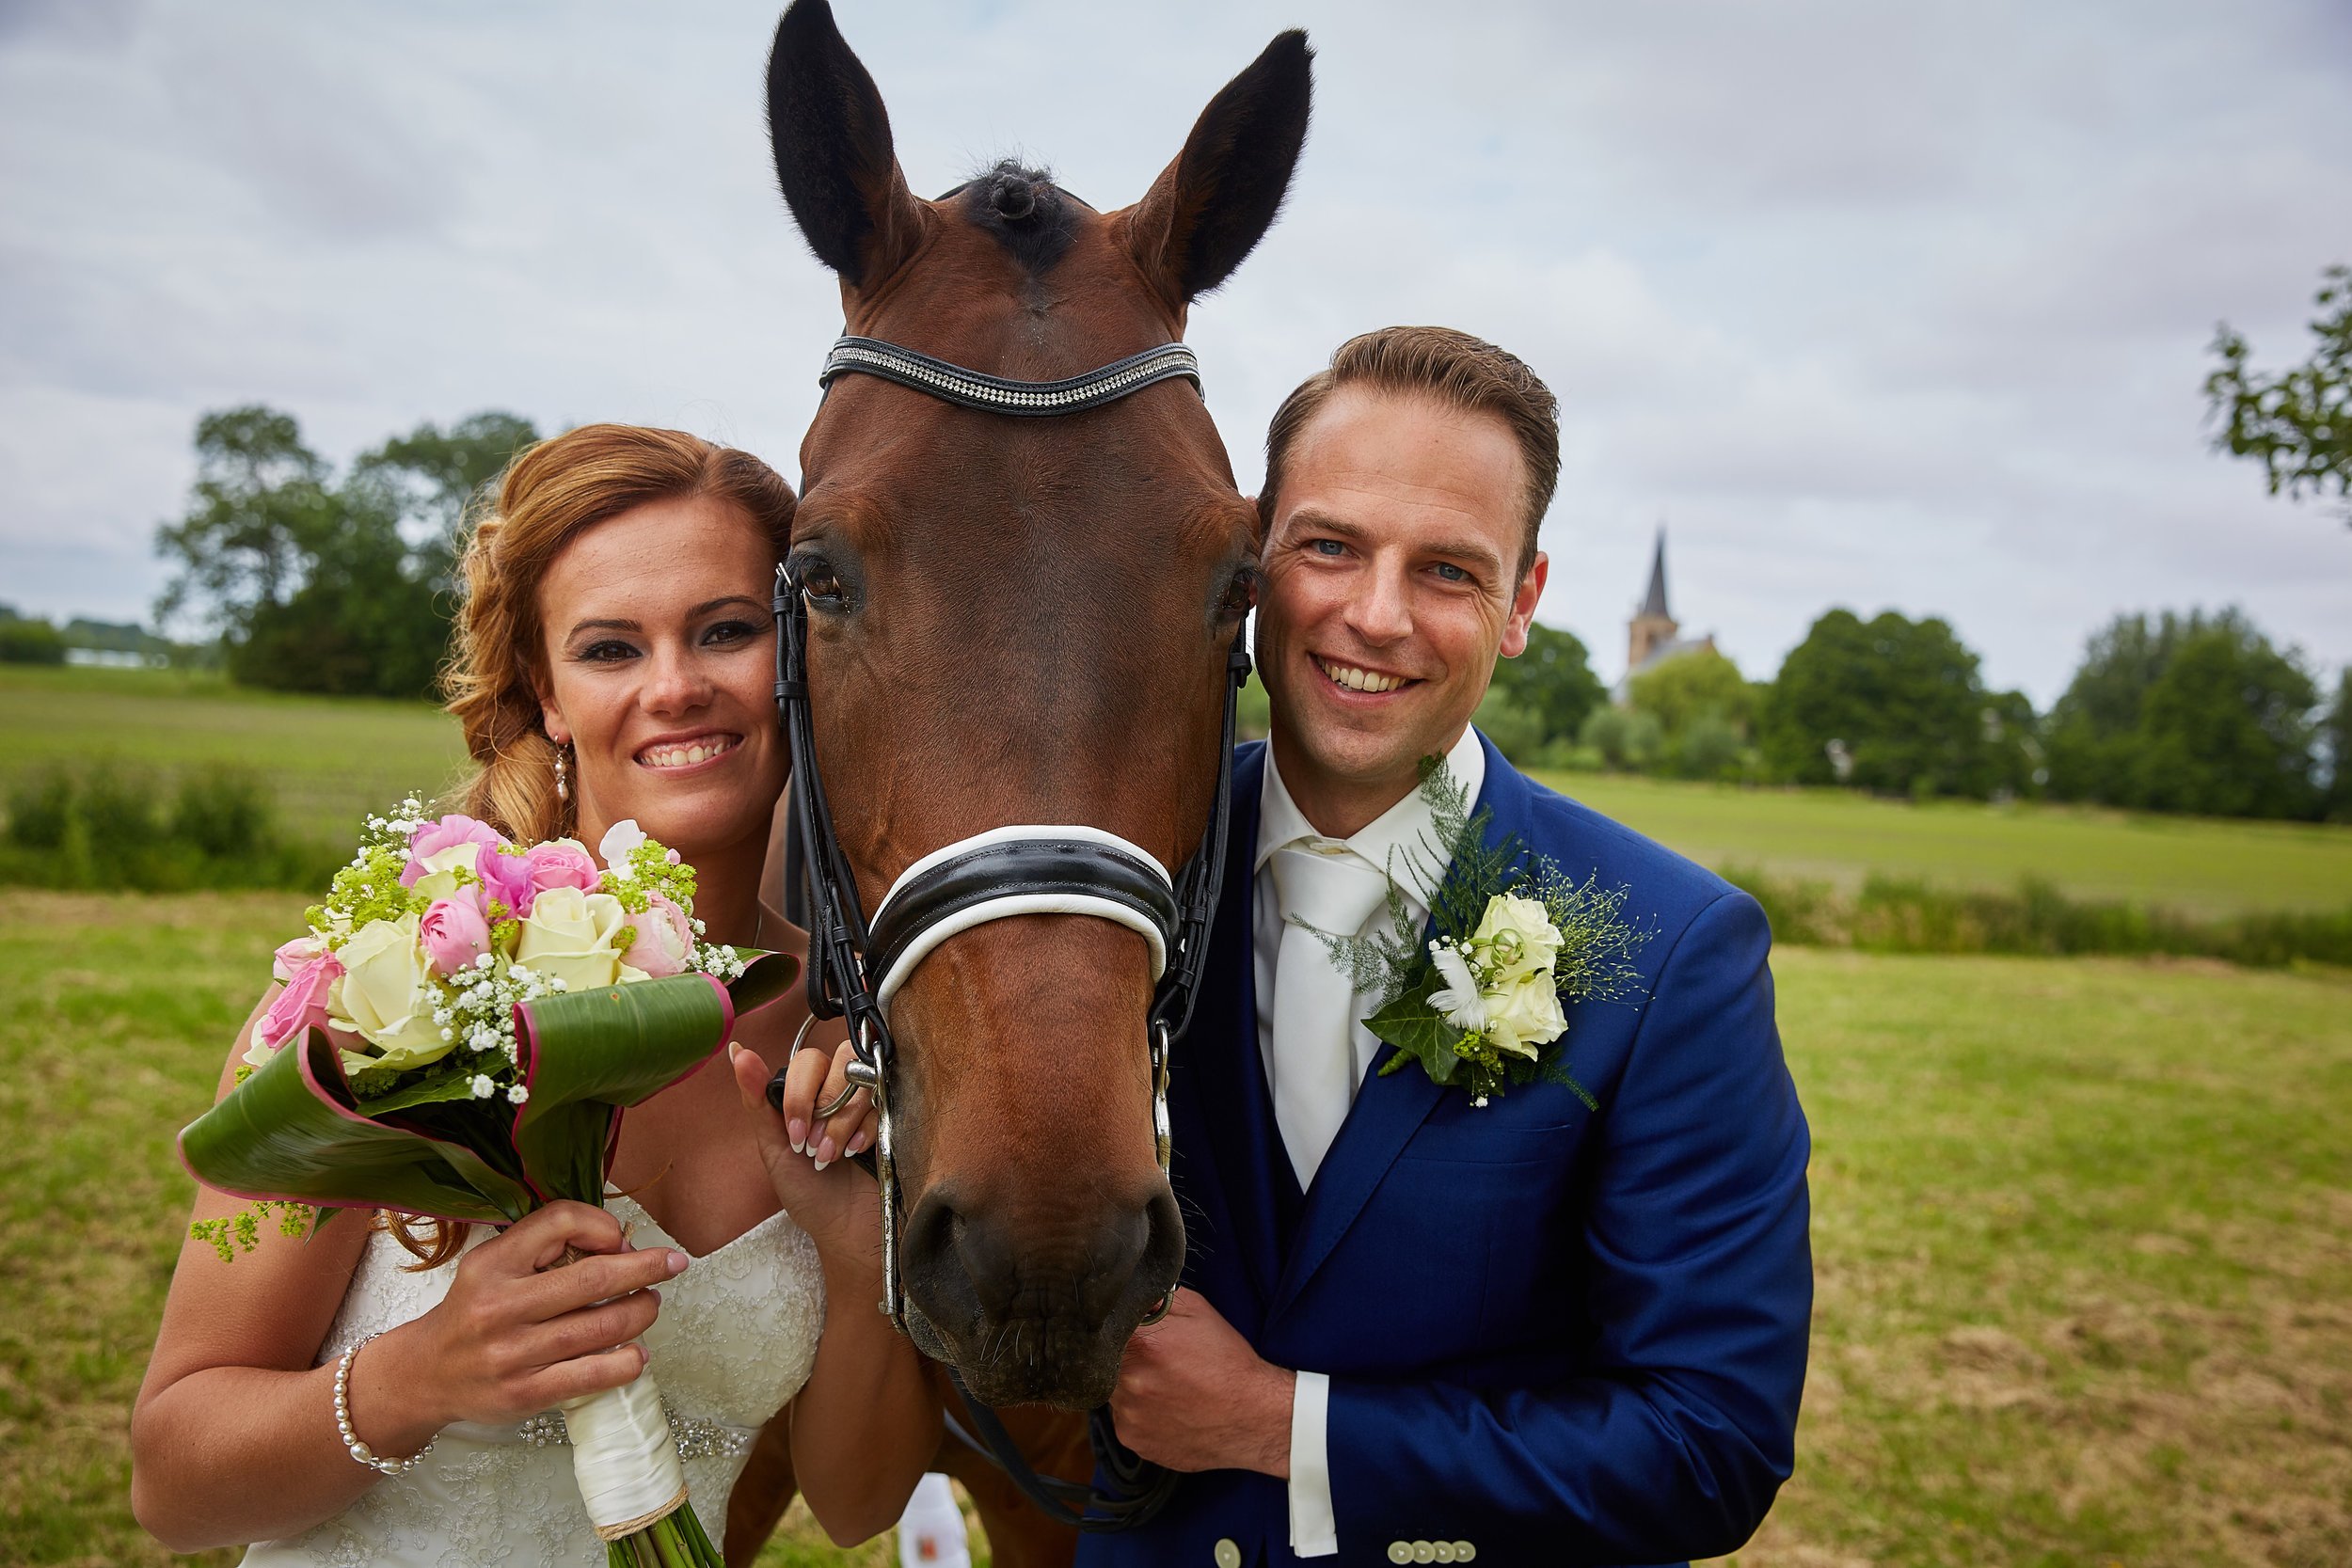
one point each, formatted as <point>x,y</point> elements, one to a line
<point>562,780</point>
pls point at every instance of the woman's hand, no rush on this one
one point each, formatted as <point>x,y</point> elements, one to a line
<point>813,1079</point>
<point>517,1334</point>
<point>838,1206</point>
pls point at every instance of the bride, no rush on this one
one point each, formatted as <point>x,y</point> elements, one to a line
<point>613,660</point>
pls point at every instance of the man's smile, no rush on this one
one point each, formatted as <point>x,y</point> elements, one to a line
<point>1357,678</point>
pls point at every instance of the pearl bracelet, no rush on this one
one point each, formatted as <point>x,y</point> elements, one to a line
<point>359,1450</point>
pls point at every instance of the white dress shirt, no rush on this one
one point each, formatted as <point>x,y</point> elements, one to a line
<point>1401,843</point>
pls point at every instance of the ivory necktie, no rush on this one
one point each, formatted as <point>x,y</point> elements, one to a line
<point>1314,1056</point>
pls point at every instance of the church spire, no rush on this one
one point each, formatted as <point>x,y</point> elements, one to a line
<point>1655,603</point>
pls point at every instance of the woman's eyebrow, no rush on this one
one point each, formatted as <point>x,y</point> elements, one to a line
<point>605,625</point>
<point>702,610</point>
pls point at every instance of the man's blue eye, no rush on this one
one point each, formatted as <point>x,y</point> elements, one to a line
<point>1452,573</point>
<point>1327,547</point>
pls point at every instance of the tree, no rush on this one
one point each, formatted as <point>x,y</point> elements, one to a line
<point>319,587</point>
<point>1553,681</point>
<point>2093,727</point>
<point>2297,423</point>
<point>2227,730</point>
<point>1900,699</point>
<point>257,508</point>
<point>1702,706</point>
<point>1626,740</point>
<point>2190,713</point>
<point>2336,733</point>
<point>429,479</point>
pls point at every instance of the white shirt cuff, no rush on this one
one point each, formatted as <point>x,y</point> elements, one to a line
<point>1314,1530</point>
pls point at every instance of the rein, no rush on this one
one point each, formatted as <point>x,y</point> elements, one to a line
<point>856,965</point>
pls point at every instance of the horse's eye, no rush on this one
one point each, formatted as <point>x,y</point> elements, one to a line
<point>819,582</point>
<point>1241,594</point>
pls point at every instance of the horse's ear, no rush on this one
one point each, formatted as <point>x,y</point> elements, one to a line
<point>833,155</point>
<point>1209,208</point>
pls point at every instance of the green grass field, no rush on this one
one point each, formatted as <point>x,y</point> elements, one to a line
<point>2085,1288</point>
<point>2198,865</point>
<point>332,760</point>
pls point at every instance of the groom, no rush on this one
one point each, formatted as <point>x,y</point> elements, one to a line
<point>1414,1329</point>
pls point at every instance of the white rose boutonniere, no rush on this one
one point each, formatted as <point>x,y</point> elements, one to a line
<point>1483,1002</point>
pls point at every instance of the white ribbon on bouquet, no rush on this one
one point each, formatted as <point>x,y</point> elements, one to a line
<point>624,1458</point>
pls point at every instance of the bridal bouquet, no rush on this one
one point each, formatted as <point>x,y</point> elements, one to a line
<point>460,1029</point>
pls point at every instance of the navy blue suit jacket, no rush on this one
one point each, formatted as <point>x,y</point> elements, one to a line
<point>1565,1335</point>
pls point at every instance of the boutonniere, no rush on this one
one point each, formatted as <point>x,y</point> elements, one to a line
<point>1483,1000</point>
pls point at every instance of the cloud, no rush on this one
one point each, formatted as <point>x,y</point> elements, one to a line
<point>1872,305</point>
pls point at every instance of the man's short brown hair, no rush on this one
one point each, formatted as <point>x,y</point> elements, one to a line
<point>1457,370</point>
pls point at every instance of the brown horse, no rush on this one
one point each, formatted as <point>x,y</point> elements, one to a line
<point>1021,621</point>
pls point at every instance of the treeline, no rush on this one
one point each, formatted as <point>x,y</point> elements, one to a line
<point>319,582</point>
<point>2196,713</point>
<point>345,584</point>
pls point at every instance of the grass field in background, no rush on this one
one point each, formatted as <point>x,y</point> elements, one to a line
<point>331,760</point>
<point>2085,1289</point>
<point>2196,865</point>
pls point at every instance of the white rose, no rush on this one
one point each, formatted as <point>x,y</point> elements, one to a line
<point>387,994</point>
<point>573,936</point>
<point>1518,938</point>
<point>1525,1013</point>
<point>438,879</point>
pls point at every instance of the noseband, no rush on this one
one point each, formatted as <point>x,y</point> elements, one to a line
<point>857,965</point>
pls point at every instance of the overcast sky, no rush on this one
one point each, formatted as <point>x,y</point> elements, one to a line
<point>1872,305</point>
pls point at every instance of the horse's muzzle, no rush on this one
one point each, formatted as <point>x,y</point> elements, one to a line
<point>1036,1309</point>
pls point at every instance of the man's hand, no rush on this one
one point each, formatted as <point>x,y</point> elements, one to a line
<point>1192,1395</point>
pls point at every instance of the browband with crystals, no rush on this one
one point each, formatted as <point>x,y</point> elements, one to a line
<point>1000,395</point>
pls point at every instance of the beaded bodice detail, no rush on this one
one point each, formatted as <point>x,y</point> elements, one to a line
<point>735,1340</point>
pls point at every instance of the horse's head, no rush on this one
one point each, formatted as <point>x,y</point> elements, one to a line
<point>1021,621</point>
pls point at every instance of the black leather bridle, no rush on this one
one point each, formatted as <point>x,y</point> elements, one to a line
<point>856,965</point>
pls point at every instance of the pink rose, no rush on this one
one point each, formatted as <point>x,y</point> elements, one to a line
<point>302,1005</point>
<point>294,954</point>
<point>560,863</point>
<point>453,934</point>
<point>430,838</point>
<point>665,939</point>
<point>507,878</point>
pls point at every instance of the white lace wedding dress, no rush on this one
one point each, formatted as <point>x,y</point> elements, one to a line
<point>735,1340</point>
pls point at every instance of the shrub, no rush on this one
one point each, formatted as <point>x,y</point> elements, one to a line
<point>30,643</point>
<point>2035,919</point>
<point>107,826</point>
<point>1625,738</point>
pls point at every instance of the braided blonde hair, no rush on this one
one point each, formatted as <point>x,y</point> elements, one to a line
<point>548,495</point>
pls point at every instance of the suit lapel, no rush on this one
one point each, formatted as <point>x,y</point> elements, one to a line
<point>1388,1110</point>
<point>1234,1106</point>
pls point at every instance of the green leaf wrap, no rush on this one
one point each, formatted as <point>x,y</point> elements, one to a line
<point>294,1130</point>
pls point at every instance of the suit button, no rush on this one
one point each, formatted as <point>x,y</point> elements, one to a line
<point>1400,1551</point>
<point>1424,1552</point>
<point>1464,1552</point>
<point>1442,1550</point>
<point>1228,1554</point>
